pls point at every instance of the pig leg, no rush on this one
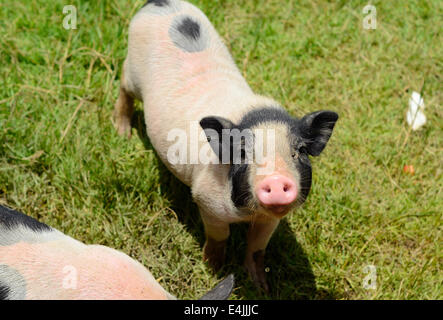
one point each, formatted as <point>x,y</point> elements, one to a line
<point>259,234</point>
<point>217,233</point>
<point>124,108</point>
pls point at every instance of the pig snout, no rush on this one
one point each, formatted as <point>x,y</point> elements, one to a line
<point>276,192</point>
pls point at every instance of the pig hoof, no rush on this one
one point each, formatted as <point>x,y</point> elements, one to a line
<point>123,127</point>
<point>124,130</point>
<point>254,264</point>
<point>214,253</point>
<point>259,279</point>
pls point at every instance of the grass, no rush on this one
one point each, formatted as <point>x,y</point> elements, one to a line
<point>62,162</point>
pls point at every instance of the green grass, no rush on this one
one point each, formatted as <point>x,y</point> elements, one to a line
<point>62,162</point>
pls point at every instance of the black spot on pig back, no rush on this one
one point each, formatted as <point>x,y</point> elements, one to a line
<point>4,291</point>
<point>10,219</point>
<point>12,284</point>
<point>187,34</point>
<point>158,3</point>
<point>189,28</point>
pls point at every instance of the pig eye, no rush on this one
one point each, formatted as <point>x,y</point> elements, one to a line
<point>303,150</point>
<point>300,152</point>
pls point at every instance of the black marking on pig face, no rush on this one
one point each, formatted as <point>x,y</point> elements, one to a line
<point>309,136</point>
<point>225,146</point>
<point>4,291</point>
<point>10,219</point>
<point>264,115</point>
<point>187,34</point>
<point>158,3</point>
<point>302,164</point>
<point>241,191</point>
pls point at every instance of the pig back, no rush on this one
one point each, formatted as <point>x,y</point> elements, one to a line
<point>180,68</point>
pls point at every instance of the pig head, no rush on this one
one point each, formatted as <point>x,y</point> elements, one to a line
<point>265,196</point>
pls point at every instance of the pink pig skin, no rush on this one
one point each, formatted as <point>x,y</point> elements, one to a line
<point>68,269</point>
<point>39,262</point>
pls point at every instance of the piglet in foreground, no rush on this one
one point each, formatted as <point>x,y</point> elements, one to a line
<point>244,157</point>
<point>39,262</point>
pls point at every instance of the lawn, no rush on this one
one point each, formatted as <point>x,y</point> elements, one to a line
<point>62,161</point>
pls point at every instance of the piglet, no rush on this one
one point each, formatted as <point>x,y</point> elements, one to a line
<point>243,156</point>
<point>39,262</point>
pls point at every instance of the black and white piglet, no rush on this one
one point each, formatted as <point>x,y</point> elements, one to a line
<point>194,96</point>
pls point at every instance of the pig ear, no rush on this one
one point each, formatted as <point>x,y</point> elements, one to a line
<point>222,291</point>
<point>213,127</point>
<point>316,129</point>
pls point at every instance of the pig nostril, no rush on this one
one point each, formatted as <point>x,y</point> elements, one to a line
<point>268,190</point>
